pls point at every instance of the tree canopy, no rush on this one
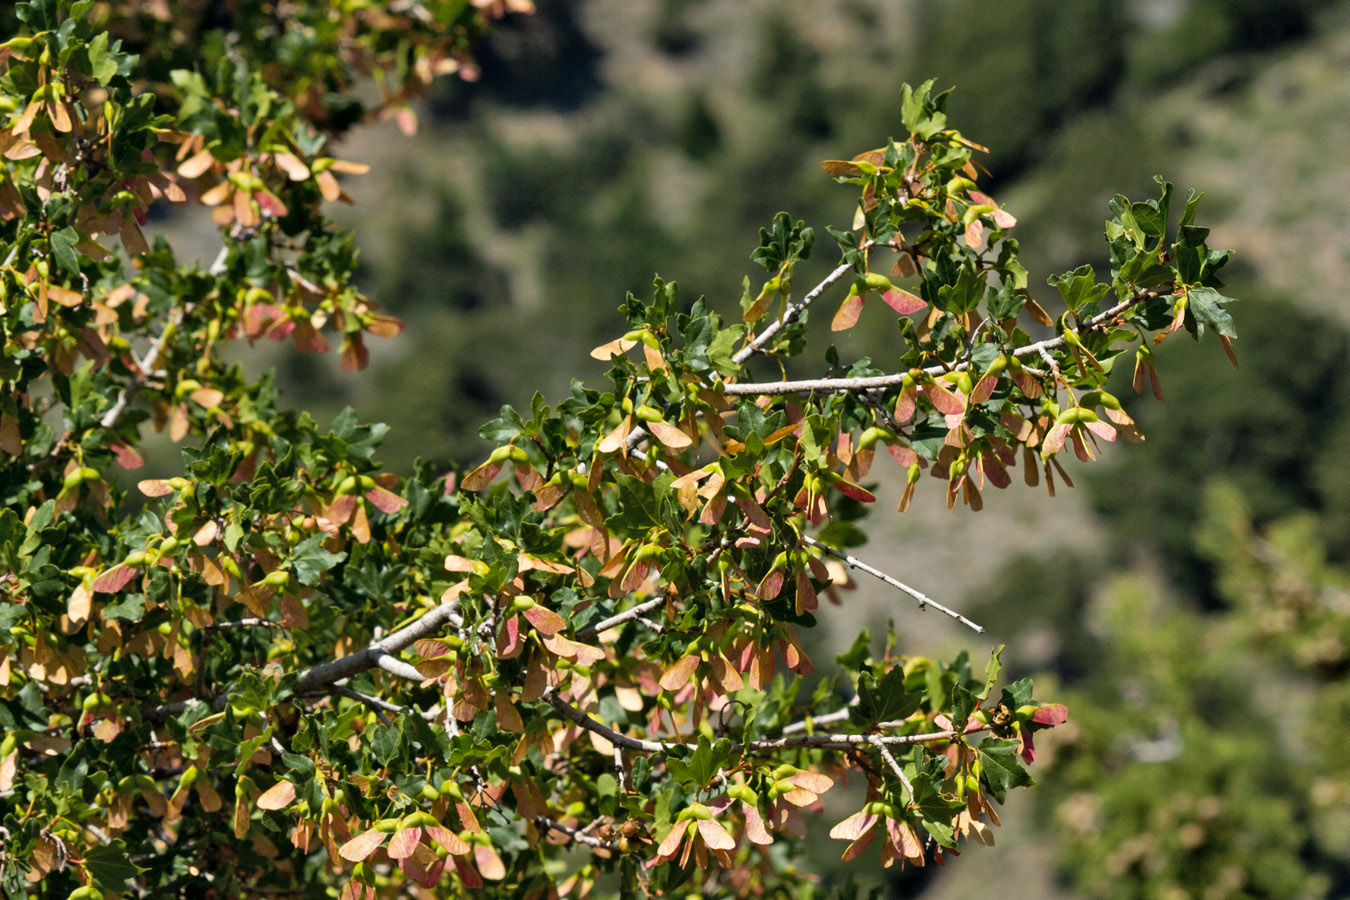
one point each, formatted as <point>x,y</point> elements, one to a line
<point>281,669</point>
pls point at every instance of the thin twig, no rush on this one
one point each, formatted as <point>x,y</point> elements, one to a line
<point>375,703</point>
<point>620,773</point>
<point>839,715</point>
<point>894,764</point>
<point>575,834</point>
<point>142,372</point>
<point>924,599</point>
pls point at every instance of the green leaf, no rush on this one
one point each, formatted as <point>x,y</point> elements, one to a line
<point>884,701</point>
<point>63,248</point>
<point>1207,306</point>
<point>963,704</point>
<point>311,560</point>
<point>991,671</point>
<point>1078,287</point>
<point>110,866</point>
<point>102,65</point>
<point>704,762</point>
<point>1002,767</point>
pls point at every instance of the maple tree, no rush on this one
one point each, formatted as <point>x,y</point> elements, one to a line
<point>285,669</point>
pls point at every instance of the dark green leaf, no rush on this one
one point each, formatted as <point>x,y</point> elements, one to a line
<point>110,866</point>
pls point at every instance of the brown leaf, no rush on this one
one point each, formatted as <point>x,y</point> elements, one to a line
<point>613,348</point>
<point>489,863</point>
<point>755,829</point>
<point>943,400</point>
<point>197,164</point>
<point>669,435</point>
<point>840,168</point>
<point>292,165</point>
<point>508,717</point>
<point>855,491</point>
<point>854,827</point>
<point>481,477</point>
<point>617,438</point>
<point>11,440</point>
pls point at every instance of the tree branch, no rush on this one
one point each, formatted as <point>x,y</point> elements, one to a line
<point>819,741</point>
<point>318,679</point>
<point>794,311</point>
<point>924,599</point>
<point>627,615</point>
<point>894,764</point>
<point>129,390</point>
<point>878,382</point>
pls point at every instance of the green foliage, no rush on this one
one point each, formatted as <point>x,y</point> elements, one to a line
<point>287,671</point>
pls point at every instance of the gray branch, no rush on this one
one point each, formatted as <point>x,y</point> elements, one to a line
<point>924,599</point>
<point>880,382</point>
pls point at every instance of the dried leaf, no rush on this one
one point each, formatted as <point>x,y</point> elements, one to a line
<point>278,796</point>
<point>361,846</point>
<point>669,435</point>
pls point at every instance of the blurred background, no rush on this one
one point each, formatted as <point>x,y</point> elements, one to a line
<point>1188,599</point>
